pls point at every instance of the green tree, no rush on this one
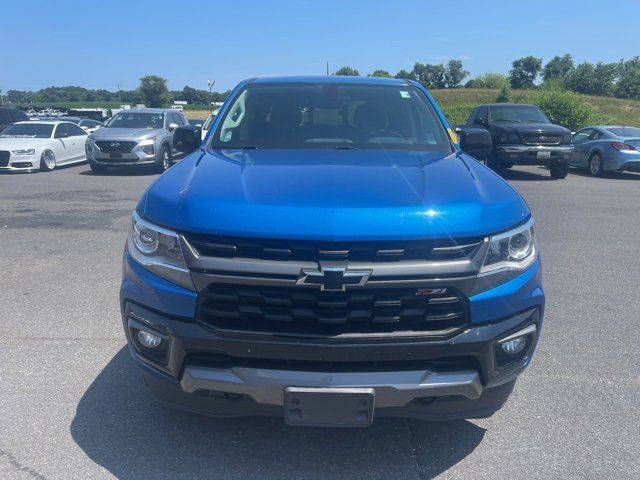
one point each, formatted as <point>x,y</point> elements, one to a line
<point>154,91</point>
<point>558,67</point>
<point>380,73</point>
<point>524,71</point>
<point>592,79</point>
<point>405,75</point>
<point>347,72</point>
<point>431,76</point>
<point>628,85</point>
<point>455,73</point>
<point>489,80</point>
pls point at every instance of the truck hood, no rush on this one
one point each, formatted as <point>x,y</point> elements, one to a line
<point>530,128</point>
<point>109,133</point>
<point>332,195</point>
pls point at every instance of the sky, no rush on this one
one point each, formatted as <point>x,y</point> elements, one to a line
<point>111,43</point>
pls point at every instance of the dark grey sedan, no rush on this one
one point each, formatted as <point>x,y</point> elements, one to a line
<point>607,148</point>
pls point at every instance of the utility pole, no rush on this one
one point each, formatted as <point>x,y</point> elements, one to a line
<point>327,69</point>
<point>211,84</point>
<point>119,92</point>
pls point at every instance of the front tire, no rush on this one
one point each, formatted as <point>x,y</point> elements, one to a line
<point>164,160</point>
<point>559,170</point>
<point>493,162</point>
<point>595,165</point>
<point>47,161</point>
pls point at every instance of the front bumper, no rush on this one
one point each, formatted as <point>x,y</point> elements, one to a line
<point>531,154</point>
<point>135,157</point>
<point>22,163</point>
<point>222,373</point>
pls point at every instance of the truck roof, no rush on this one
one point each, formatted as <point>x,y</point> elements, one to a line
<point>331,79</point>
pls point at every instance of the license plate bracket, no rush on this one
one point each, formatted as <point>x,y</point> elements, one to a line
<point>544,154</point>
<point>329,407</point>
<point>115,155</point>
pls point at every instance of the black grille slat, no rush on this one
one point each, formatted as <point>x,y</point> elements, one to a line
<point>309,250</point>
<point>300,311</point>
<point>4,158</point>
<point>115,146</point>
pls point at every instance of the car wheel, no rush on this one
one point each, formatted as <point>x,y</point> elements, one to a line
<point>47,161</point>
<point>97,168</point>
<point>559,170</point>
<point>164,160</point>
<point>595,165</point>
<point>493,162</point>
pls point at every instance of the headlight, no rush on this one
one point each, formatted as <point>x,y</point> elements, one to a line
<point>566,138</point>
<point>147,141</point>
<point>29,151</point>
<point>509,253</point>
<point>509,138</point>
<point>158,250</point>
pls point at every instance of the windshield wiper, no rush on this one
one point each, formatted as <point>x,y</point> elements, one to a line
<point>345,147</point>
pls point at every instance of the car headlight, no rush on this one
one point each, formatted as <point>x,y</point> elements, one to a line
<point>28,151</point>
<point>509,138</point>
<point>158,250</point>
<point>509,253</point>
<point>147,141</point>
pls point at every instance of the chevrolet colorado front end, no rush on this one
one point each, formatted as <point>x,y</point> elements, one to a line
<point>330,254</point>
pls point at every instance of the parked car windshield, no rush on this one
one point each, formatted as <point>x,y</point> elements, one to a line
<point>89,123</point>
<point>519,114</point>
<point>28,130</point>
<point>136,120</point>
<point>330,115</point>
<point>625,131</point>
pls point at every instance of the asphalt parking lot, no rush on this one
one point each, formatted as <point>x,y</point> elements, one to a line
<point>72,404</point>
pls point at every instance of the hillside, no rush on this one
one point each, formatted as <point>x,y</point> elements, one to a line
<point>457,103</point>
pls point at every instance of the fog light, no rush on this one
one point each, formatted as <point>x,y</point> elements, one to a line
<point>148,149</point>
<point>148,340</point>
<point>514,346</point>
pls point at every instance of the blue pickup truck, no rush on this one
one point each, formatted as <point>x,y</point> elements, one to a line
<point>330,253</point>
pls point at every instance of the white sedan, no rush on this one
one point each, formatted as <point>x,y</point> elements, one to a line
<point>38,145</point>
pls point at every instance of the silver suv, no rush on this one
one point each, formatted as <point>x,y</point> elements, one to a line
<point>135,137</point>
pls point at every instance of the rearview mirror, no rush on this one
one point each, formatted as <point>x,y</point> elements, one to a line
<point>476,142</point>
<point>479,121</point>
<point>187,139</point>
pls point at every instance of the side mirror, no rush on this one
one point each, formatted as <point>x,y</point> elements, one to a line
<point>173,126</point>
<point>187,139</point>
<point>476,142</point>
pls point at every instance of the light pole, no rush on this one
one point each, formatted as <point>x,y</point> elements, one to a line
<point>211,84</point>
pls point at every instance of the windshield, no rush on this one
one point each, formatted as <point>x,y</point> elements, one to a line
<point>28,130</point>
<point>625,131</point>
<point>329,115</point>
<point>136,120</point>
<point>89,123</point>
<point>524,114</point>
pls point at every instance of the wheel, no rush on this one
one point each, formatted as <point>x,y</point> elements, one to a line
<point>97,168</point>
<point>493,162</point>
<point>47,161</point>
<point>595,165</point>
<point>559,170</point>
<point>163,161</point>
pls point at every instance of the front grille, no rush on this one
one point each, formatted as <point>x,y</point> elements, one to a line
<point>301,311</point>
<point>541,139</point>
<point>4,158</point>
<point>114,146</point>
<point>224,361</point>
<point>309,250</point>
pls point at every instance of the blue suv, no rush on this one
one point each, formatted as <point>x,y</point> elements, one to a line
<point>330,253</point>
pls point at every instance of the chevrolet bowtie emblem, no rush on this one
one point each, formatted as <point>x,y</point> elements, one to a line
<point>333,279</point>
